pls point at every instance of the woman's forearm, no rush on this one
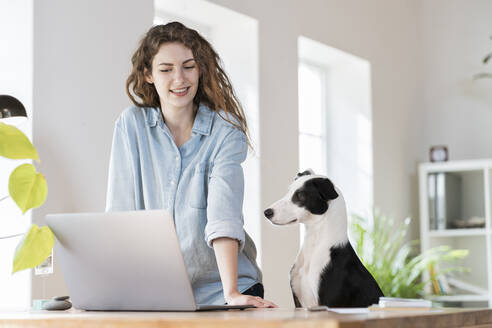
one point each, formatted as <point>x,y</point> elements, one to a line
<point>226,254</point>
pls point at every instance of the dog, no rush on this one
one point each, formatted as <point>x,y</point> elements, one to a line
<point>327,270</point>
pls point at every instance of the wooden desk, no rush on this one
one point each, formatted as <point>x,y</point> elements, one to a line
<point>256,318</point>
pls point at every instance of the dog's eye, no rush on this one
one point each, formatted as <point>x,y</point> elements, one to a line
<point>300,196</point>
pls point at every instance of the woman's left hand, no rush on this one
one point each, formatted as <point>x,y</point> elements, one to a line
<point>240,299</point>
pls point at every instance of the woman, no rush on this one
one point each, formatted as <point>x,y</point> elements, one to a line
<point>181,148</point>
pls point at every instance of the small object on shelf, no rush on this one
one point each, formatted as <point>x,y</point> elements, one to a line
<point>432,191</point>
<point>318,308</point>
<point>376,308</point>
<point>401,304</point>
<point>61,298</point>
<point>435,283</point>
<point>444,284</point>
<point>444,194</point>
<point>338,310</point>
<point>46,267</point>
<point>474,222</point>
<point>58,303</point>
<point>438,153</point>
<point>38,304</point>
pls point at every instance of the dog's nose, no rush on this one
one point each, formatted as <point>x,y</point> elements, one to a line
<point>268,213</point>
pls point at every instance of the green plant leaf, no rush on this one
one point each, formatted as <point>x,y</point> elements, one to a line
<point>34,248</point>
<point>14,144</point>
<point>396,265</point>
<point>487,58</point>
<point>27,187</point>
<point>482,76</point>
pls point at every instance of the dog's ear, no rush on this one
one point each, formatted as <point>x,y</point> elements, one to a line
<point>307,172</point>
<point>325,188</point>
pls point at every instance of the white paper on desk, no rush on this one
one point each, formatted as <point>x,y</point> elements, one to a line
<point>349,310</point>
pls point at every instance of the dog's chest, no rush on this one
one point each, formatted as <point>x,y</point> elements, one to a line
<point>306,272</point>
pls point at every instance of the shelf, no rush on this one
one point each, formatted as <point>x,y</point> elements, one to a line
<point>460,298</point>
<point>457,232</point>
<point>449,194</point>
<point>464,165</point>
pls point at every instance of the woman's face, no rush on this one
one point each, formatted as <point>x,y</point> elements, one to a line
<point>175,75</point>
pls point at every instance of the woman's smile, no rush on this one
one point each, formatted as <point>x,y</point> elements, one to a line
<point>180,92</point>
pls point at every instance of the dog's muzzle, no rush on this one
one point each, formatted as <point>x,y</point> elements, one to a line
<point>268,213</point>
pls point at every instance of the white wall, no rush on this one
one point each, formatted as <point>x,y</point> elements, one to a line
<point>82,53</point>
<point>457,112</point>
<point>15,80</point>
<point>382,32</point>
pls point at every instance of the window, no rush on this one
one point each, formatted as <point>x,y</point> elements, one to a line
<point>312,127</point>
<point>335,122</point>
<point>221,26</point>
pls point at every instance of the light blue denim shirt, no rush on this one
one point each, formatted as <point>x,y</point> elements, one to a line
<point>201,183</point>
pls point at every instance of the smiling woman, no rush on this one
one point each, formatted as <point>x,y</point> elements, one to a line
<point>181,148</point>
<point>214,89</point>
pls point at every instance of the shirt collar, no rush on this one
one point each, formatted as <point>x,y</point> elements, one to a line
<point>153,116</point>
<point>201,125</point>
<point>203,120</point>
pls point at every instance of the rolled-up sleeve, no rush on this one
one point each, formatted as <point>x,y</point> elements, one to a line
<point>121,189</point>
<point>226,191</point>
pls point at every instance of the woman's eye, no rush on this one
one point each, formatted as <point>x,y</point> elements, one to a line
<point>189,67</point>
<point>165,70</point>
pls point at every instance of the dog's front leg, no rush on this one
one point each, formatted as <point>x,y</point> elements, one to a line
<point>296,301</point>
<point>294,283</point>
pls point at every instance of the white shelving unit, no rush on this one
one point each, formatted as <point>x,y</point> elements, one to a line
<point>468,196</point>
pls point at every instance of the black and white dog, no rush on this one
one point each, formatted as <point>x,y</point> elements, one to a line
<point>327,270</point>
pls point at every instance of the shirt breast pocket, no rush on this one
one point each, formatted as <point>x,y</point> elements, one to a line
<point>198,189</point>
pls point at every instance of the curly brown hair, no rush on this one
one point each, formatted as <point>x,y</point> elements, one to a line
<point>214,87</point>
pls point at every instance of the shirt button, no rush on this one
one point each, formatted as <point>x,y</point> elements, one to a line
<point>172,182</point>
<point>177,158</point>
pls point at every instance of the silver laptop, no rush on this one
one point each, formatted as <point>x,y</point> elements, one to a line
<point>124,261</point>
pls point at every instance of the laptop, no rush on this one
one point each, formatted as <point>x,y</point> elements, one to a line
<point>124,261</point>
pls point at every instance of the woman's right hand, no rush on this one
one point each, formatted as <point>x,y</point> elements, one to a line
<point>240,299</point>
